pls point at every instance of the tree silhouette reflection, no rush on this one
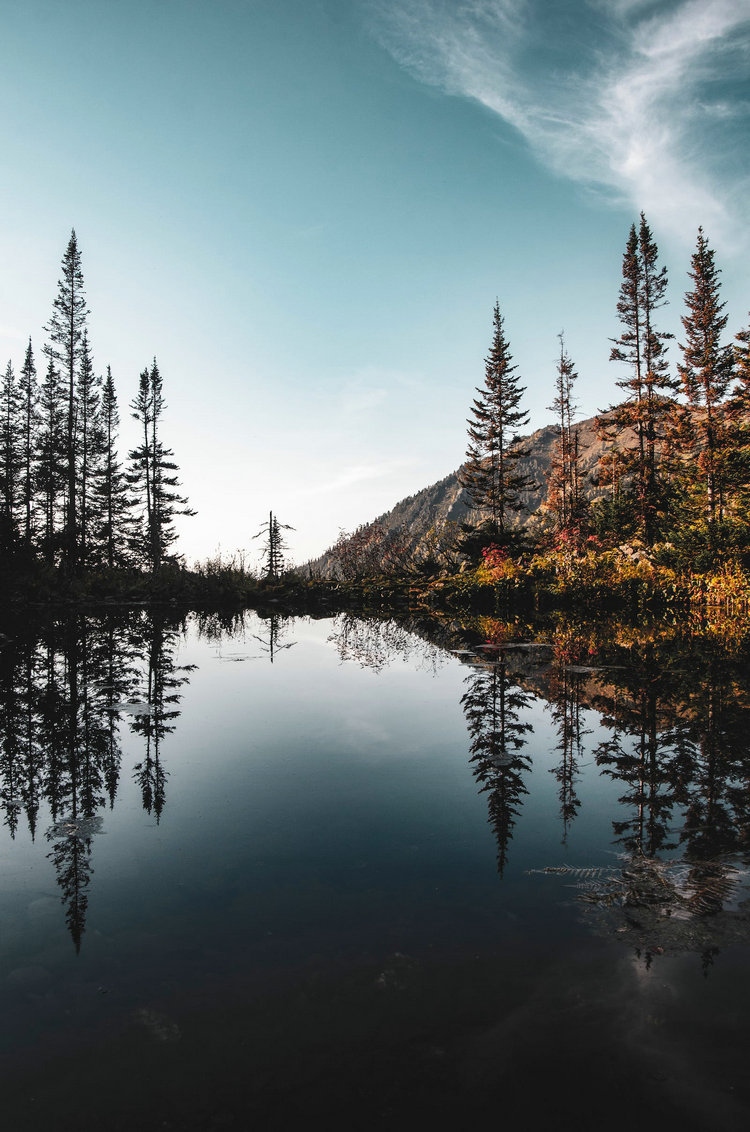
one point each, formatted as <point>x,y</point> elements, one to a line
<point>62,697</point>
<point>492,705</point>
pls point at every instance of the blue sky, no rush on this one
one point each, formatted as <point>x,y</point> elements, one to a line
<point>307,208</point>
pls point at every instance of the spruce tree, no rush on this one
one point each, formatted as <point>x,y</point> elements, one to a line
<point>113,499</point>
<point>565,499</point>
<point>28,390</point>
<point>139,474</point>
<point>51,465</point>
<point>153,475</point>
<point>647,405</point>
<point>706,372</point>
<point>736,463</point>
<point>10,461</point>
<point>274,547</point>
<point>65,329</point>
<point>489,474</point>
<point>89,445</point>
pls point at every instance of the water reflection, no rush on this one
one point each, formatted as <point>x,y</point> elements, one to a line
<point>492,705</point>
<point>63,699</point>
<point>674,704</point>
<point>661,714</point>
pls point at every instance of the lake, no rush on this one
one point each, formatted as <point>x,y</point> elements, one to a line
<point>373,874</point>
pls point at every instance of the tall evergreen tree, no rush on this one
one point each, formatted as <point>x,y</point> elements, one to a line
<point>139,474</point>
<point>565,499</point>
<point>28,390</point>
<point>114,504</point>
<point>273,547</point>
<point>706,372</point>
<point>65,329</point>
<point>10,460</point>
<point>648,388</point>
<point>153,475</point>
<point>51,464</point>
<point>89,445</point>
<point>489,475</point>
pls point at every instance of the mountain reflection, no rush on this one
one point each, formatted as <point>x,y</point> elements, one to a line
<point>661,713</point>
<point>63,699</point>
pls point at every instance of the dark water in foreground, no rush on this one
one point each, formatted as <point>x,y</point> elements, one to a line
<point>279,873</point>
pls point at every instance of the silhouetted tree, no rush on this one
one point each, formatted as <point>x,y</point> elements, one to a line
<point>153,476</point>
<point>10,461</point>
<point>111,489</point>
<point>65,329</point>
<point>274,547</point>
<point>89,446</point>
<point>28,393</point>
<point>51,462</point>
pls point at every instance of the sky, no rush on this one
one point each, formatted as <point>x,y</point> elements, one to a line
<point>306,210</point>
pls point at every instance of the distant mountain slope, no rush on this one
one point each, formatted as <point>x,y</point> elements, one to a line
<point>416,514</point>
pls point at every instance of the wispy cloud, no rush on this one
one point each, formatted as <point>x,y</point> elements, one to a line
<point>355,474</point>
<point>632,97</point>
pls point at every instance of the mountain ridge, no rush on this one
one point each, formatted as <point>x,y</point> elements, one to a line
<point>446,501</point>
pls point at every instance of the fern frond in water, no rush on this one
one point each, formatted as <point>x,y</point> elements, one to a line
<point>588,872</point>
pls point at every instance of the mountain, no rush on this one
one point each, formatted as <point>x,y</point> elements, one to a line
<point>413,517</point>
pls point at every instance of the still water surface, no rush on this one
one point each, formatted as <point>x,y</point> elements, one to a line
<point>259,871</point>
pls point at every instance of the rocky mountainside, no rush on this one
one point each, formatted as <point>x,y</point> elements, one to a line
<point>445,500</point>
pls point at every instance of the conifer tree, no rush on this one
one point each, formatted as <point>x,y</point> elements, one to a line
<point>647,405</point>
<point>139,474</point>
<point>489,474</point>
<point>65,328</point>
<point>51,464</point>
<point>28,390</point>
<point>89,443</point>
<point>274,547</point>
<point>10,460</point>
<point>153,474</point>
<point>706,372</point>
<point>111,489</point>
<point>565,498</point>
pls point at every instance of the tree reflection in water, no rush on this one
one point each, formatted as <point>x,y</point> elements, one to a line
<point>492,704</point>
<point>676,704</point>
<point>63,697</point>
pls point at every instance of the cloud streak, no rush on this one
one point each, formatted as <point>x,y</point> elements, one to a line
<point>636,99</point>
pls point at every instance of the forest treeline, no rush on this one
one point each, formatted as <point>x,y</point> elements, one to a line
<point>672,484</point>
<point>67,499</point>
<point>673,475</point>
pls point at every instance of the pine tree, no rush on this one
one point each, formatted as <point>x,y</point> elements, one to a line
<point>51,465</point>
<point>10,461</point>
<point>89,445</point>
<point>737,461</point>
<point>648,403</point>
<point>28,390</point>
<point>565,499</point>
<point>66,329</point>
<point>274,547</point>
<point>153,474</point>
<point>111,490</point>
<point>139,474</point>
<point>489,477</point>
<point>706,372</point>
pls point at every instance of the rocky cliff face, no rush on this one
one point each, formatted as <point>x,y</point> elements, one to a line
<point>445,500</point>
